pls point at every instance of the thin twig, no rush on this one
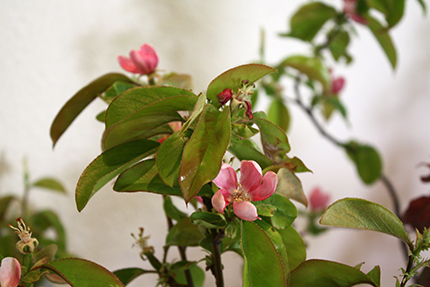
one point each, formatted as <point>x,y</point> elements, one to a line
<point>387,183</point>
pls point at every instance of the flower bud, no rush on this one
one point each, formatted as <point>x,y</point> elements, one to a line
<point>224,96</point>
<point>141,62</point>
<point>318,200</point>
<point>10,272</point>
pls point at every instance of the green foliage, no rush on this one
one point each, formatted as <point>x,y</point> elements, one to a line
<point>127,275</point>
<point>328,274</point>
<point>367,161</point>
<point>233,79</point>
<point>169,157</point>
<point>203,153</point>
<point>80,101</point>
<point>280,210</point>
<point>82,273</point>
<point>263,265</point>
<point>384,39</point>
<point>208,219</point>
<point>295,246</point>
<point>363,214</point>
<point>185,233</point>
<point>309,19</point>
<point>314,68</point>
<point>278,114</point>
<point>49,183</point>
<point>108,165</point>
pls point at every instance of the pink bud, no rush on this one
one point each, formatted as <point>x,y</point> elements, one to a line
<point>337,85</point>
<point>318,200</point>
<point>224,96</point>
<point>141,62</point>
<point>10,272</point>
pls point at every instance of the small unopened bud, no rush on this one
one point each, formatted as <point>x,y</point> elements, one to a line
<point>248,110</point>
<point>26,244</point>
<point>224,96</point>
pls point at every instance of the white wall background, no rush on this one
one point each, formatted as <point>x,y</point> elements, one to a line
<point>50,49</point>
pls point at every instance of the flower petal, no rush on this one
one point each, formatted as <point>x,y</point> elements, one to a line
<point>220,200</point>
<point>10,272</point>
<point>266,189</point>
<point>250,175</point>
<point>226,178</point>
<point>245,210</point>
<point>128,65</point>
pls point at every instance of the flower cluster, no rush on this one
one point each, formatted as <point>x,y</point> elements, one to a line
<point>252,186</point>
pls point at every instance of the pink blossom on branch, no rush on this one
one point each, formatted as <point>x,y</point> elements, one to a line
<point>10,272</point>
<point>143,61</point>
<point>318,200</point>
<point>252,186</point>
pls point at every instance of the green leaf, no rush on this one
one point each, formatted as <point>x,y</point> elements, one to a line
<point>202,156</point>
<point>362,214</point>
<point>314,68</point>
<point>80,101</point>
<point>375,275</point>
<point>279,114</point>
<point>295,246</point>
<point>183,81</point>
<point>169,157</point>
<point>339,44</point>
<point>247,149</point>
<point>262,263</point>
<point>393,10</point>
<point>273,138</point>
<point>143,100</point>
<point>323,273</point>
<point>83,273</point>
<point>143,123</point>
<point>384,39</point>
<point>49,183</point>
<point>208,219</point>
<point>197,110</point>
<point>127,275</point>
<point>243,131</point>
<point>367,161</point>
<point>185,233</point>
<point>115,90</point>
<point>171,210</point>
<point>144,177</point>
<point>232,79</point>
<point>44,255</point>
<point>309,20</point>
<point>281,211</point>
<point>108,165</point>
<point>197,274</point>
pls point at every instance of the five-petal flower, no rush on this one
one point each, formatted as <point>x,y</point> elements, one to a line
<point>143,61</point>
<point>252,186</point>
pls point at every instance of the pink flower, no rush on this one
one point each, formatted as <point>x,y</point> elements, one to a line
<point>10,272</point>
<point>252,186</point>
<point>350,9</point>
<point>224,96</point>
<point>141,62</point>
<point>337,85</point>
<point>318,200</point>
